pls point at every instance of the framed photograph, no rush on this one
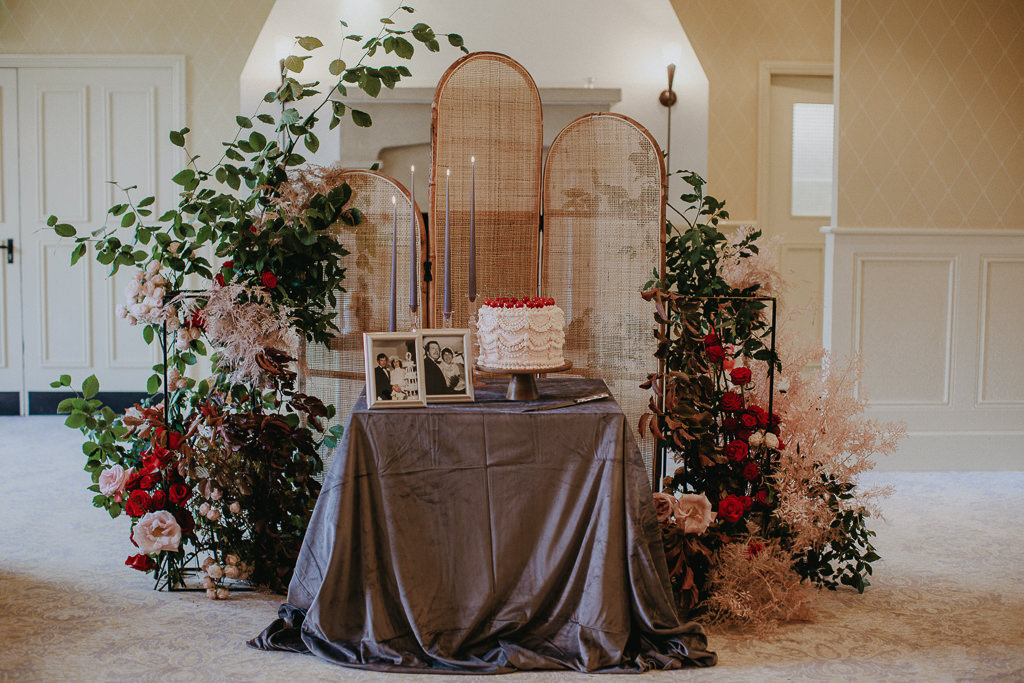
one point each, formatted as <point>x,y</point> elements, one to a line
<point>447,362</point>
<point>393,369</point>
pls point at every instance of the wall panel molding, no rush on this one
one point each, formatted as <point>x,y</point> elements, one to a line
<point>938,317</point>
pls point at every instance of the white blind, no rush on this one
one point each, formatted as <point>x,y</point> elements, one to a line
<point>812,160</point>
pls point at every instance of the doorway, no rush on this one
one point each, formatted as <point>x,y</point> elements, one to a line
<point>69,126</point>
<point>795,176</point>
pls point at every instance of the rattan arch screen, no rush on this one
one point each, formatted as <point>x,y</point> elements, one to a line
<point>604,216</point>
<point>334,373</point>
<point>486,106</point>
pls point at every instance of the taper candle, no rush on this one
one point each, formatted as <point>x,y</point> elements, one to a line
<point>471,292</point>
<point>392,321</point>
<point>447,310</point>
<point>412,242</point>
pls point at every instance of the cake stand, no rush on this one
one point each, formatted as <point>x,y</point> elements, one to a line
<point>523,383</point>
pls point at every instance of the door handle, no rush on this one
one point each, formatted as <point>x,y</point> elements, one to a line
<point>9,246</point>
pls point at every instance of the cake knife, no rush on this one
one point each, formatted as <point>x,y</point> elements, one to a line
<point>573,402</point>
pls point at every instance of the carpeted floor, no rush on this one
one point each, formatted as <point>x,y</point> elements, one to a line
<point>947,601</point>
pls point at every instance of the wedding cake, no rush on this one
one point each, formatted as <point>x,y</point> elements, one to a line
<point>520,334</point>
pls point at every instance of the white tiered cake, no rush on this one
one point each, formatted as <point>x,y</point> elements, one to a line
<point>520,334</point>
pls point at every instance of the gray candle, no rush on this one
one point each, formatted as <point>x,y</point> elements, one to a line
<point>472,230</point>
<point>447,247</point>
<point>412,242</point>
<point>394,269</point>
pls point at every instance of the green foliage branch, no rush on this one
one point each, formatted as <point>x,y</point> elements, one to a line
<point>230,210</point>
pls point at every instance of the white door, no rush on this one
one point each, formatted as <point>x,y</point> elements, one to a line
<point>10,263</point>
<point>78,128</point>
<point>800,191</point>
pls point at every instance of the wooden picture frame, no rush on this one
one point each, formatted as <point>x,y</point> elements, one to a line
<point>447,363</point>
<point>403,353</point>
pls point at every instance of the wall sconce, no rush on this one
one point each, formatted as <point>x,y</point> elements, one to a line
<point>671,54</point>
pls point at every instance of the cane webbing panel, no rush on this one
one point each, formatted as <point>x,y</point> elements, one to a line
<point>486,106</point>
<point>604,212</point>
<point>335,373</point>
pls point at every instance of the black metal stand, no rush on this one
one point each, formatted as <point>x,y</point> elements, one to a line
<point>661,450</point>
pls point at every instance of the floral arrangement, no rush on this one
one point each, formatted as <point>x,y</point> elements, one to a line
<point>221,473</point>
<point>764,504</point>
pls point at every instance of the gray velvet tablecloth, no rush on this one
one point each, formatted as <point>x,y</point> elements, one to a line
<point>478,538</point>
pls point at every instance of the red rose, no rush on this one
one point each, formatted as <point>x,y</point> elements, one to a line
<point>158,499</point>
<point>711,339</point>
<point>230,265</point>
<point>174,440</point>
<point>749,421</point>
<point>730,509</point>
<point>137,503</point>
<point>736,450</point>
<point>740,375</point>
<point>156,459</point>
<point>197,320</point>
<point>143,563</point>
<point>762,417</point>
<point>148,481</point>
<point>185,520</point>
<point>179,493</point>
<point>219,279</point>
<point>732,401</point>
<point>716,353</point>
<point>746,501</point>
<point>751,472</point>
<point>268,279</point>
<point>730,424</point>
<point>761,497</point>
<point>754,549</point>
<point>743,435</point>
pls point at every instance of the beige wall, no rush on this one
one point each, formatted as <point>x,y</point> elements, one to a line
<point>931,114</point>
<point>731,39</point>
<point>214,35</point>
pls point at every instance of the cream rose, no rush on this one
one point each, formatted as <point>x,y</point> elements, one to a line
<point>157,531</point>
<point>113,479</point>
<point>771,441</point>
<point>663,504</point>
<point>693,513</point>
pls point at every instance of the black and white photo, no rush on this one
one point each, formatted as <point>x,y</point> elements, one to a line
<point>447,364</point>
<point>393,369</point>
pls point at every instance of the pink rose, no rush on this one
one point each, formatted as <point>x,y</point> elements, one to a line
<point>157,531</point>
<point>693,513</point>
<point>663,504</point>
<point>112,481</point>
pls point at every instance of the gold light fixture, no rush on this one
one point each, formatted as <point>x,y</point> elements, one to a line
<point>671,54</point>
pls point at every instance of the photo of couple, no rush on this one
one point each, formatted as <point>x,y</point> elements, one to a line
<point>392,373</point>
<point>444,365</point>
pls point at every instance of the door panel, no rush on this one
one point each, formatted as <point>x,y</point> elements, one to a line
<point>10,273</point>
<point>78,129</point>
<point>801,257</point>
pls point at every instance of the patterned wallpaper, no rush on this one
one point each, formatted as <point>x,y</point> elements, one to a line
<point>931,114</point>
<point>214,35</point>
<point>730,39</point>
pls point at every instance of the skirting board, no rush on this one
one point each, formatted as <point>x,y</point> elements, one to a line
<point>956,452</point>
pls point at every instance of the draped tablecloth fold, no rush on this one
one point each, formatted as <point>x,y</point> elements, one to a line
<point>477,538</point>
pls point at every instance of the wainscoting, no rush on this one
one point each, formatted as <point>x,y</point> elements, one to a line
<point>938,316</point>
